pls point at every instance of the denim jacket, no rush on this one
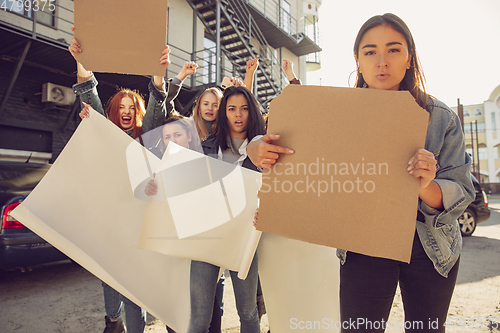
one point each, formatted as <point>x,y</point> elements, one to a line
<point>438,230</point>
<point>159,107</point>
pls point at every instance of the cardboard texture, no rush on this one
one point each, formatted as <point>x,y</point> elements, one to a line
<point>346,186</point>
<point>121,36</point>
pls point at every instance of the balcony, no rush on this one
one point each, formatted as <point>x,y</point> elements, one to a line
<point>281,29</point>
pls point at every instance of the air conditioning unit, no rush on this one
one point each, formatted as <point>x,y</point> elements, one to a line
<point>57,94</point>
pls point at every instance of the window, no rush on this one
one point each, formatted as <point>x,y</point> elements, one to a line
<point>483,153</point>
<point>287,17</point>
<point>481,128</point>
<point>44,10</point>
<point>478,112</point>
<point>209,61</point>
<point>493,122</point>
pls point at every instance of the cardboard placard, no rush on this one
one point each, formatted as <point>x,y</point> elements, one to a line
<point>347,185</point>
<point>121,36</point>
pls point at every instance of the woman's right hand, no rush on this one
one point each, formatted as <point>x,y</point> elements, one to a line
<point>263,154</point>
<point>74,48</point>
<point>151,188</point>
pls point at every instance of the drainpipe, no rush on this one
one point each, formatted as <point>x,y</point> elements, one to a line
<point>217,45</point>
<point>194,46</point>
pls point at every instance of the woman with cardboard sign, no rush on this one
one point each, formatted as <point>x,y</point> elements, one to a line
<point>386,59</point>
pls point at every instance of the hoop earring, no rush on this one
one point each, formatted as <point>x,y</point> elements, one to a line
<point>349,79</point>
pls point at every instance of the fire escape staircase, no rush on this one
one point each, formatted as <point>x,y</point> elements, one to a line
<point>241,40</point>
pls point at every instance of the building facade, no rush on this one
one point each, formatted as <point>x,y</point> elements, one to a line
<point>482,137</point>
<point>220,35</point>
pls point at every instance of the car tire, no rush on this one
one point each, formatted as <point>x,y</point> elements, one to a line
<point>467,222</point>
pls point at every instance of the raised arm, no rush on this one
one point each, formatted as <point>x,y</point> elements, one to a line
<point>175,84</point>
<point>86,86</point>
<point>252,66</point>
<point>288,68</point>
<point>161,102</point>
<point>156,111</point>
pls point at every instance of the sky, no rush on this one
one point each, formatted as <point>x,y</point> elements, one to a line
<point>457,43</point>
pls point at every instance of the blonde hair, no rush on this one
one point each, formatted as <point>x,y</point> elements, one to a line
<point>198,119</point>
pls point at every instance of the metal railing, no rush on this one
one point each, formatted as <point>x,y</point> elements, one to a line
<point>265,52</point>
<point>313,57</point>
<point>311,29</point>
<point>204,73</point>
<point>63,19</point>
<point>60,34</point>
<point>274,12</point>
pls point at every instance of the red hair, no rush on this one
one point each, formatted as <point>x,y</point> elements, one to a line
<point>113,109</point>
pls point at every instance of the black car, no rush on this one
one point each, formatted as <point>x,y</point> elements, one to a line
<point>476,212</point>
<point>20,247</point>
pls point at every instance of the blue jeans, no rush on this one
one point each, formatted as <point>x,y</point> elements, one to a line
<point>203,286</point>
<point>135,317</point>
<point>112,302</point>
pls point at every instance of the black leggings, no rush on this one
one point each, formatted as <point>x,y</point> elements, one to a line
<point>368,285</point>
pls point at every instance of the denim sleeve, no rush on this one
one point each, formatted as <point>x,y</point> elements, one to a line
<point>87,91</point>
<point>160,105</point>
<point>453,168</point>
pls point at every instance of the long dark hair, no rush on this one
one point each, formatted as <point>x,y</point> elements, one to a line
<point>414,80</point>
<point>256,124</point>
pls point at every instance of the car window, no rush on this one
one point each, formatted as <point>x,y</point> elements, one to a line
<point>21,177</point>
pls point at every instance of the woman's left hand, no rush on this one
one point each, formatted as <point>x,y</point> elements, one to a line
<point>256,218</point>
<point>252,65</point>
<point>85,111</point>
<point>151,188</point>
<point>159,81</point>
<point>423,165</point>
<point>165,58</point>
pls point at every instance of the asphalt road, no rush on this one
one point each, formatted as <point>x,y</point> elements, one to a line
<point>64,297</point>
